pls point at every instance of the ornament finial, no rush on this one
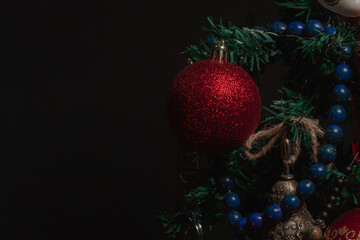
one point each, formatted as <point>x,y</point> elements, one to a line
<point>220,51</point>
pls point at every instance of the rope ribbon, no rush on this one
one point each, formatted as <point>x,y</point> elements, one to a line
<point>306,125</point>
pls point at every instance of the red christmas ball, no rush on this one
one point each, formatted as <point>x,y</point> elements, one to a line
<point>345,227</point>
<point>213,106</point>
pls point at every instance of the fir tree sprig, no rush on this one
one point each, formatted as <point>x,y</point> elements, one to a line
<point>312,60</point>
<point>247,47</point>
<point>324,45</point>
<point>200,194</point>
<point>295,106</point>
<point>302,7</point>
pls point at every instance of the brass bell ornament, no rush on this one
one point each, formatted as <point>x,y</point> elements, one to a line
<point>295,225</point>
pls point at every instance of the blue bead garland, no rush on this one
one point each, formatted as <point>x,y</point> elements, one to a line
<point>330,30</point>
<point>348,51</point>
<point>278,27</point>
<point>318,171</point>
<point>341,93</point>
<point>233,216</point>
<point>337,113</point>
<point>313,28</point>
<point>273,213</point>
<point>295,28</point>
<point>343,72</point>
<point>328,152</point>
<point>241,223</point>
<point>255,220</point>
<point>290,203</point>
<point>305,188</point>
<point>232,200</point>
<point>334,132</point>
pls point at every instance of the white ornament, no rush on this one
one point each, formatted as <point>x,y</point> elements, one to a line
<point>347,8</point>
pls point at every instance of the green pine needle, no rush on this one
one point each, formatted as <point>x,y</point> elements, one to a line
<point>328,47</point>
<point>301,7</point>
<point>247,47</point>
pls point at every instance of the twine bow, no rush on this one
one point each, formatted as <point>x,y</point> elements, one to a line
<point>305,125</point>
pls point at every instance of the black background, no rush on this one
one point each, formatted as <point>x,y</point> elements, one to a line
<point>88,153</point>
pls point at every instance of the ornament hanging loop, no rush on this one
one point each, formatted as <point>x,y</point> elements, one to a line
<point>286,152</point>
<point>220,51</point>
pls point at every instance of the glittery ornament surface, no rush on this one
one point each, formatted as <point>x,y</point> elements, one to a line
<point>213,106</point>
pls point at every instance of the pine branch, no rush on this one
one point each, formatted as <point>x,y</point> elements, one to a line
<point>199,194</point>
<point>324,45</point>
<point>295,106</point>
<point>248,47</point>
<point>301,7</point>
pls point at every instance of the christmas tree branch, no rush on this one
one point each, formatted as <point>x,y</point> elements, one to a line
<point>247,47</point>
<point>301,7</point>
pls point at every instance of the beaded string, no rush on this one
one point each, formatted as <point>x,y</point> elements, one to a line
<point>337,112</point>
<point>272,213</point>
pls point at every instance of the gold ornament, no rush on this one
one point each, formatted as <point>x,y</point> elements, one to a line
<point>293,225</point>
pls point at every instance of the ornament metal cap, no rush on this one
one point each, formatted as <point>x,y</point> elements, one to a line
<point>287,177</point>
<point>219,51</point>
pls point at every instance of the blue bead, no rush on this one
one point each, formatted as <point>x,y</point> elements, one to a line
<point>226,182</point>
<point>290,203</point>
<point>210,39</point>
<point>313,28</point>
<point>330,30</point>
<point>318,171</point>
<point>255,220</point>
<point>232,200</point>
<point>343,72</point>
<point>348,51</point>
<point>334,133</point>
<point>328,152</point>
<point>241,224</point>
<point>278,27</point>
<point>295,28</point>
<point>305,188</point>
<point>259,28</point>
<point>233,216</point>
<point>337,113</point>
<point>341,93</point>
<point>273,213</point>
